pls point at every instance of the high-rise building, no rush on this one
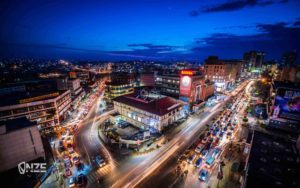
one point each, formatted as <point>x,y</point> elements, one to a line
<point>254,59</point>
<point>288,59</point>
<point>223,72</point>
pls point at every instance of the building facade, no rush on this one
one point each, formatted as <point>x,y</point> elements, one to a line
<point>114,89</point>
<point>147,79</point>
<point>48,109</point>
<point>222,73</point>
<point>146,113</point>
<point>168,84</point>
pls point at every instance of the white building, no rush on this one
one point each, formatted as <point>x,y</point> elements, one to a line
<point>148,113</point>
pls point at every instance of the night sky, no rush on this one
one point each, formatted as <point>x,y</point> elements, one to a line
<point>148,29</point>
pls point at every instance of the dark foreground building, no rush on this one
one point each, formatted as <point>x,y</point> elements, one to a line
<point>273,162</point>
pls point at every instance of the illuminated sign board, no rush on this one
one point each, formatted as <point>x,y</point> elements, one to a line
<point>287,104</point>
<point>38,98</point>
<point>186,72</point>
<point>185,85</point>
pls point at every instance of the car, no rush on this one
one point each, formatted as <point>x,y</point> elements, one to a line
<point>204,140</point>
<point>66,157</point>
<point>229,134</point>
<point>100,161</point>
<point>208,133</point>
<point>191,158</point>
<point>68,163</point>
<point>216,152</point>
<point>76,160</point>
<point>199,148</point>
<point>216,142</point>
<point>208,145</point>
<point>64,134</point>
<point>81,180</point>
<point>72,182</point>
<point>203,174</point>
<point>68,172</point>
<point>71,150</point>
<point>204,153</point>
<point>209,161</point>
<point>198,162</point>
<point>69,140</point>
<point>214,133</point>
<point>221,134</point>
<point>80,166</point>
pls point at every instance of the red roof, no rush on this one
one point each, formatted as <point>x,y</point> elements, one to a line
<point>159,107</point>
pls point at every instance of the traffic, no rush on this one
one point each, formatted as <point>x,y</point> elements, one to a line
<point>204,156</point>
<point>70,166</point>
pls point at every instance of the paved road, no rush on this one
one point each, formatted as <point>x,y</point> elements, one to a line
<point>132,170</point>
<point>164,176</point>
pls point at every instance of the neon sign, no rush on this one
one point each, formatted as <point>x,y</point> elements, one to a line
<point>186,72</point>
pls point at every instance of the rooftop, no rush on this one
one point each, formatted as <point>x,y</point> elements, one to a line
<point>288,85</point>
<point>273,162</point>
<point>159,106</point>
<point>15,124</point>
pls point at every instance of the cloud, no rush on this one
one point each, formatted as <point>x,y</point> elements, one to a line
<point>151,48</point>
<point>235,5</point>
<point>274,39</point>
<point>194,13</point>
<point>296,23</point>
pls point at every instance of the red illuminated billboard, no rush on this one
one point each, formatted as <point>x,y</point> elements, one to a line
<point>186,72</point>
<point>185,85</point>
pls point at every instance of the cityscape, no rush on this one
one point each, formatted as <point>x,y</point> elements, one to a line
<point>150,94</point>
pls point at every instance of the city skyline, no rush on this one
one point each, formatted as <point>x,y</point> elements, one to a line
<point>149,30</point>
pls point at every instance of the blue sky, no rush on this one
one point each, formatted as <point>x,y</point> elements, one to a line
<point>148,29</point>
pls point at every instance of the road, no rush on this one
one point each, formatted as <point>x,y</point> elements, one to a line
<point>88,144</point>
<point>133,170</point>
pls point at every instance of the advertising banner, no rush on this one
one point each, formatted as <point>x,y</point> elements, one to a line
<point>287,104</point>
<point>185,85</point>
